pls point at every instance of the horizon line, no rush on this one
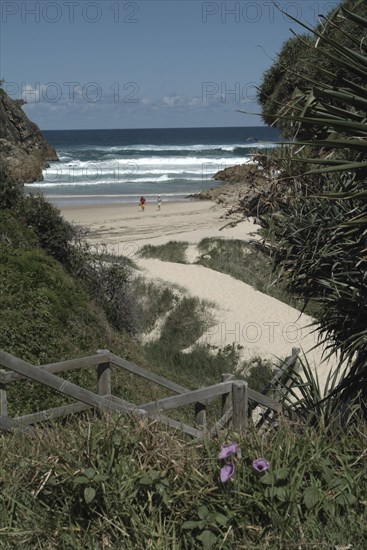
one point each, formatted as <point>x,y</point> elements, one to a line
<point>150,128</point>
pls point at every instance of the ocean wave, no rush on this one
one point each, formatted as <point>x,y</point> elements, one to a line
<point>146,162</point>
<point>58,175</point>
<point>181,147</point>
<point>125,195</point>
<point>116,181</point>
<point>250,149</point>
<point>161,150</point>
<point>63,158</point>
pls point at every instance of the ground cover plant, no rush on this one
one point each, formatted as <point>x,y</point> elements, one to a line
<point>173,251</point>
<point>120,482</point>
<point>153,301</point>
<point>58,299</point>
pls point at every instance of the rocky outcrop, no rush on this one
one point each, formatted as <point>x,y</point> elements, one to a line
<point>245,181</point>
<point>24,152</point>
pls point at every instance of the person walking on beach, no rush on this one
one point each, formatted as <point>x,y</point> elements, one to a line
<point>142,203</point>
<point>159,202</point>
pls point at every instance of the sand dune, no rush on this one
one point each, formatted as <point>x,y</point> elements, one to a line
<point>261,324</point>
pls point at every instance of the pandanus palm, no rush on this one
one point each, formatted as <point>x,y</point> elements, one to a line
<point>322,238</point>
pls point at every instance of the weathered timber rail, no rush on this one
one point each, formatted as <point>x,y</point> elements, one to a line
<point>235,394</point>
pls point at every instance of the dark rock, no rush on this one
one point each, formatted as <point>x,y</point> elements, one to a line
<point>24,152</point>
<point>241,173</point>
<point>240,182</point>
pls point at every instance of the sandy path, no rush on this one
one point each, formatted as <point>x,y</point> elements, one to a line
<point>259,323</point>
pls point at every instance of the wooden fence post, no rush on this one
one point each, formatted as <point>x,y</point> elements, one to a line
<point>3,398</point>
<point>200,416</point>
<point>226,398</point>
<point>104,375</point>
<point>240,405</point>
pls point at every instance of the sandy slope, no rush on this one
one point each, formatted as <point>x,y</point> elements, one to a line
<point>259,323</point>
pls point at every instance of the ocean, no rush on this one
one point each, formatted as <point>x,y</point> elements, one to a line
<point>107,166</point>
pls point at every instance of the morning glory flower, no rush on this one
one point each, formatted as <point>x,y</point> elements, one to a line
<point>226,472</point>
<point>228,450</point>
<point>260,465</point>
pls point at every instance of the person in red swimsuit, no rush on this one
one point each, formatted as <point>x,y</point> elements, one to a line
<point>142,203</point>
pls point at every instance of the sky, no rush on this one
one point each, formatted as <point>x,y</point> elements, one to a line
<point>83,64</point>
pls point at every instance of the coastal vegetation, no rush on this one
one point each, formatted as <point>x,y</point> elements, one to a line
<point>318,234</point>
<point>59,299</point>
<point>249,262</point>
<point>48,276</point>
<point>117,482</point>
<point>173,251</point>
<point>306,58</point>
<point>170,324</point>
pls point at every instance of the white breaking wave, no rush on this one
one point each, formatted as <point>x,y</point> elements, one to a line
<point>125,181</point>
<point>117,166</point>
<point>65,170</point>
<point>146,162</point>
<point>122,195</point>
<point>195,147</point>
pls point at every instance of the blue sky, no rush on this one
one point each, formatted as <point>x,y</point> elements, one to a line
<point>142,64</point>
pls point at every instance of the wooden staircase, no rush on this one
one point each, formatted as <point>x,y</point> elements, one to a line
<point>235,394</point>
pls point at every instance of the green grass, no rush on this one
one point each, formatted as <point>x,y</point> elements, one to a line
<point>242,260</point>
<point>47,316</point>
<point>173,251</point>
<point>59,301</point>
<point>40,304</point>
<point>182,327</point>
<point>117,482</point>
<point>153,301</point>
<point>257,372</point>
<point>248,263</point>
<point>183,320</point>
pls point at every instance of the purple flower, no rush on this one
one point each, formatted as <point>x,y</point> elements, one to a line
<point>226,472</point>
<point>260,465</point>
<point>228,450</point>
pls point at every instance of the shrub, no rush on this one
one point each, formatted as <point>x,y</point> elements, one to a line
<point>153,300</point>
<point>110,287</point>
<point>58,238</point>
<point>14,232</point>
<point>257,372</point>
<point>173,251</point>
<point>10,193</point>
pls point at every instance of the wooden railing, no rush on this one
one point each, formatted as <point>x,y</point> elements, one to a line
<point>235,394</point>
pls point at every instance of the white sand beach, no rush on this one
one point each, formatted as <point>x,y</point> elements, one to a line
<point>126,223</point>
<point>261,324</point>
